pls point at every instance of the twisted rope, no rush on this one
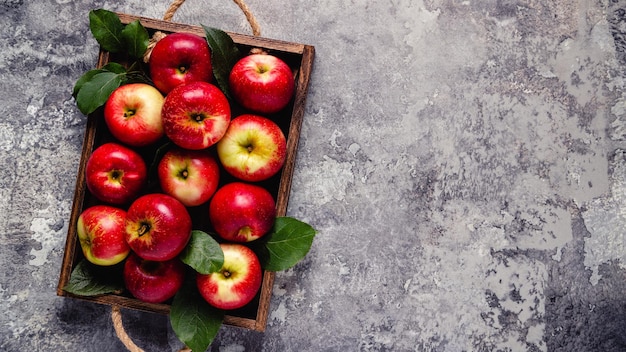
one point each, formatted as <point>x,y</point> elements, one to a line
<point>116,316</point>
<point>171,10</point>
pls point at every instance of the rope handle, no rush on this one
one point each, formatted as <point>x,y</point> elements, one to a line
<point>116,317</point>
<point>171,10</point>
<point>256,29</point>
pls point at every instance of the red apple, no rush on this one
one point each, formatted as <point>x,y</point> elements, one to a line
<point>262,83</point>
<point>191,176</point>
<point>101,233</point>
<point>115,174</point>
<point>237,283</point>
<point>242,212</point>
<point>133,114</point>
<point>180,58</point>
<point>158,226</point>
<point>196,115</point>
<point>253,149</point>
<point>153,281</point>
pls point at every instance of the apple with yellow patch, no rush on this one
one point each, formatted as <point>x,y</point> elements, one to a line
<point>191,176</point>
<point>195,115</point>
<point>133,114</point>
<point>236,283</point>
<point>101,233</point>
<point>253,149</point>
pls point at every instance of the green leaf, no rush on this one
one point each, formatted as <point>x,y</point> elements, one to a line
<point>203,253</point>
<point>114,67</point>
<point>136,39</point>
<point>87,76</point>
<point>193,320</point>
<point>90,280</point>
<point>287,244</point>
<point>224,55</point>
<point>107,28</point>
<point>83,79</point>
<point>95,92</point>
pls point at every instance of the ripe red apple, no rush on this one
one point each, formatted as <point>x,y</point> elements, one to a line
<point>196,115</point>
<point>237,283</point>
<point>101,233</point>
<point>115,174</point>
<point>262,83</point>
<point>133,114</point>
<point>242,212</point>
<point>153,281</point>
<point>191,176</point>
<point>180,58</point>
<point>253,149</point>
<point>158,226</point>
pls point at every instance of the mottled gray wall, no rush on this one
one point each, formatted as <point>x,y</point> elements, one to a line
<point>463,162</point>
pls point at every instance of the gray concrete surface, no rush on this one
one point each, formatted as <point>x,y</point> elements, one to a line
<point>463,161</point>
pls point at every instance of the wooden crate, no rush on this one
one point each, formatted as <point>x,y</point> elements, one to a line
<point>300,58</point>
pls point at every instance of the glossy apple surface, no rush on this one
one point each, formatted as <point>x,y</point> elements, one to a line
<point>242,212</point>
<point>191,176</point>
<point>115,173</point>
<point>196,115</point>
<point>133,114</point>
<point>153,281</point>
<point>158,226</point>
<point>180,58</point>
<point>101,233</point>
<point>237,283</point>
<point>253,148</point>
<point>262,83</point>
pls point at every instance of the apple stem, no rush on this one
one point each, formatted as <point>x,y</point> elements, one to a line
<point>226,273</point>
<point>198,117</point>
<point>143,229</point>
<point>116,174</point>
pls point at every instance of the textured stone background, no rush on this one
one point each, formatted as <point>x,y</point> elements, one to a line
<point>463,161</point>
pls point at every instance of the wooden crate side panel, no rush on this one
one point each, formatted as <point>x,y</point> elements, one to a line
<point>71,243</point>
<point>302,82</point>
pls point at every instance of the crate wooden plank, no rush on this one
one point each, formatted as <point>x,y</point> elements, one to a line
<point>300,58</point>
